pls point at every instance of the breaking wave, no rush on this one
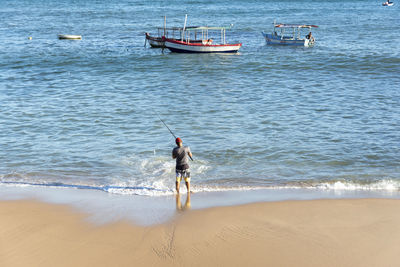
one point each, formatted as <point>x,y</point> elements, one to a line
<point>161,190</point>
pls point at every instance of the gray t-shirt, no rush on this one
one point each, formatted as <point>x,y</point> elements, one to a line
<point>181,154</point>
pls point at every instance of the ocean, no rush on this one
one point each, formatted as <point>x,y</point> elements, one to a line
<point>84,114</point>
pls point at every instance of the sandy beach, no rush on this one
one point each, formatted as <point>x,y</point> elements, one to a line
<point>358,232</point>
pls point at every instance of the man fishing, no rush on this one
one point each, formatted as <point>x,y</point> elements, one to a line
<point>181,154</point>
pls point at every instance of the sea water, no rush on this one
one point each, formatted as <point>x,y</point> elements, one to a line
<point>84,114</point>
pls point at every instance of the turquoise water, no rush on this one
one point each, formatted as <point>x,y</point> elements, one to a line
<point>84,113</point>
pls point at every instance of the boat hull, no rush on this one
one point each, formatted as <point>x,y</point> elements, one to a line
<point>158,42</point>
<point>388,4</point>
<point>182,47</point>
<point>278,40</point>
<point>155,42</point>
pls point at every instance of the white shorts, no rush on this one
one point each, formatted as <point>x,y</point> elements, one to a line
<point>185,174</point>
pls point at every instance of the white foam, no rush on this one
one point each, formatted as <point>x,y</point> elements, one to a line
<point>159,188</point>
<point>16,185</point>
<point>153,175</point>
<point>388,185</point>
<point>140,192</point>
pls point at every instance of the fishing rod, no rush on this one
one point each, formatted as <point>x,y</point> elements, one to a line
<point>166,126</point>
<point>170,131</point>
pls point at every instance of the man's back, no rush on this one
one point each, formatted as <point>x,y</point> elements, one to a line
<point>181,155</point>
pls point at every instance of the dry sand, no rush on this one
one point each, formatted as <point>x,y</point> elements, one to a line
<point>364,232</point>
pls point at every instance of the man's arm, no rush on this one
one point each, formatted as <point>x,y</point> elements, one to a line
<point>190,155</point>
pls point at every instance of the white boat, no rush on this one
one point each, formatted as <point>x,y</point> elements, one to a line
<point>293,38</point>
<point>201,42</point>
<point>388,3</point>
<point>69,37</point>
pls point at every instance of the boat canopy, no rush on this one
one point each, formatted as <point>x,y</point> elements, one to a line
<point>176,28</point>
<point>206,28</point>
<point>193,28</point>
<point>281,25</point>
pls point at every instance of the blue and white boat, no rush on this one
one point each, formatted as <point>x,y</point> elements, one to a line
<point>388,3</point>
<point>290,34</point>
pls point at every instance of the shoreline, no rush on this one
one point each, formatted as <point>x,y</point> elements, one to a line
<point>340,232</point>
<point>103,208</point>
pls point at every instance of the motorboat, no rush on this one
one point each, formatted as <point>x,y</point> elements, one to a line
<point>199,40</point>
<point>203,47</point>
<point>388,3</point>
<point>290,34</point>
<point>157,41</point>
<point>202,41</point>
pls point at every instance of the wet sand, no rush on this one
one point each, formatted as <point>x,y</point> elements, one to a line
<point>357,232</point>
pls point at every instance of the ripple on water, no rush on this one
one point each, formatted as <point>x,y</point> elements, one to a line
<point>85,112</point>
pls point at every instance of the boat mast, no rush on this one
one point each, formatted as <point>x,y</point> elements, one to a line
<point>184,27</point>
<point>224,36</point>
<point>165,25</point>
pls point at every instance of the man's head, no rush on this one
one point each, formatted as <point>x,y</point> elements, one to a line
<point>178,141</point>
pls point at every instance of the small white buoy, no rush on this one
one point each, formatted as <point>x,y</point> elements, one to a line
<point>69,37</point>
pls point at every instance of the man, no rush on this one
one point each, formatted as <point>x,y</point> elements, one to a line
<point>181,154</point>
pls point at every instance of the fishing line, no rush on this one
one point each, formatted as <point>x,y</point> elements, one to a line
<point>166,126</point>
<point>170,130</point>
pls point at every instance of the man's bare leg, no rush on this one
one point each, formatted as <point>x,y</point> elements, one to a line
<point>188,186</point>
<point>177,184</point>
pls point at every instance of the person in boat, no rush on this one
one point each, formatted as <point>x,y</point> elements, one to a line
<point>309,36</point>
<point>181,154</point>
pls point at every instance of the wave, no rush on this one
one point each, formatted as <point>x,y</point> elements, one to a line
<point>387,185</point>
<point>383,185</point>
<point>154,176</point>
<point>130,190</point>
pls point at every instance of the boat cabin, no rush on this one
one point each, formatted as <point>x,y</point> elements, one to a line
<point>291,31</point>
<point>207,35</point>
